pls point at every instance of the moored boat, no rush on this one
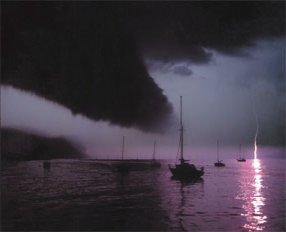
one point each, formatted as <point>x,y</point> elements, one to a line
<point>184,170</point>
<point>122,166</point>
<point>219,162</point>
<point>240,159</point>
<point>155,163</point>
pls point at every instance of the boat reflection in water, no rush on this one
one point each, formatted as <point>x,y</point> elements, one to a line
<point>186,193</point>
<point>251,193</point>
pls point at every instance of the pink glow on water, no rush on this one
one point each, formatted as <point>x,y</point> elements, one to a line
<point>254,201</point>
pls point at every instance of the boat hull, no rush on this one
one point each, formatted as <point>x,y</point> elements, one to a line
<point>186,171</point>
<point>219,164</point>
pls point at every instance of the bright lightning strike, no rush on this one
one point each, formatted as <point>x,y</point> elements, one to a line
<point>255,148</point>
<point>256,132</point>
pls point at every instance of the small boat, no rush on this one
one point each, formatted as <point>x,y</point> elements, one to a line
<point>154,162</point>
<point>219,163</point>
<point>122,166</point>
<point>184,170</point>
<point>240,159</point>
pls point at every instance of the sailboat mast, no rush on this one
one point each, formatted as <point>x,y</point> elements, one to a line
<point>240,151</point>
<point>181,133</point>
<point>154,151</point>
<point>122,151</point>
<point>217,150</point>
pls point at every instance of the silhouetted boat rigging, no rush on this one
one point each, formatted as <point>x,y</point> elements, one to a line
<point>219,163</point>
<point>240,159</point>
<point>122,166</point>
<point>154,162</point>
<point>184,170</point>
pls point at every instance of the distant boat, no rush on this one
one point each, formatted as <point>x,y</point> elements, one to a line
<point>184,170</point>
<point>240,159</point>
<point>122,166</point>
<point>154,162</point>
<point>219,163</point>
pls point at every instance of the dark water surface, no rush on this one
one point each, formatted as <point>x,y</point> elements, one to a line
<point>85,195</point>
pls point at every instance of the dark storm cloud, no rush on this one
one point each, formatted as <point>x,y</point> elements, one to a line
<point>180,30</point>
<point>82,57</point>
<point>87,55</point>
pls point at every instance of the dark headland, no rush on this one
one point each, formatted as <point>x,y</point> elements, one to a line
<point>17,145</point>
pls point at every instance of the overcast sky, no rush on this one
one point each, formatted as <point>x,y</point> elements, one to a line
<point>225,72</point>
<point>218,103</point>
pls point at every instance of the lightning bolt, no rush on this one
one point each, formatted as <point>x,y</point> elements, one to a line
<point>256,132</point>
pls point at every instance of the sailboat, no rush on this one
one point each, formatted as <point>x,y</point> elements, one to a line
<point>154,162</point>
<point>240,159</point>
<point>184,170</point>
<point>122,166</point>
<point>219,163</point>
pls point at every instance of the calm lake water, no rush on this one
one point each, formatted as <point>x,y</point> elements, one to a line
<point>84,195</point>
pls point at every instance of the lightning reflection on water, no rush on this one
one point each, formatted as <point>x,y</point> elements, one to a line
<point>251,193</point>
